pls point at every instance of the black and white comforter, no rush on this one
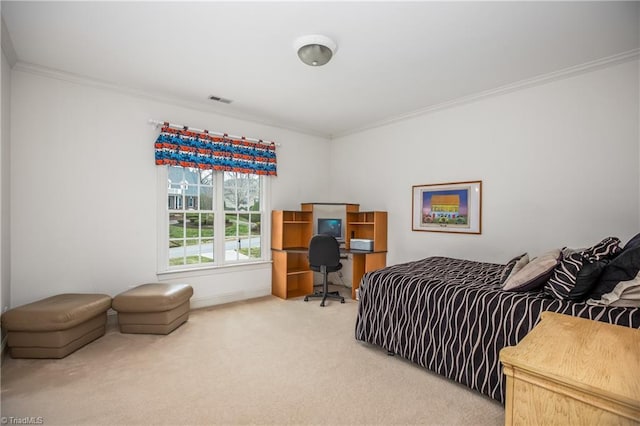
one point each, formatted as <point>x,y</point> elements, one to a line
<point>452,317</point>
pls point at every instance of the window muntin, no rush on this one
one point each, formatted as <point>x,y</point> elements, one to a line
<point>191,229</point>
<point>242,214</point>
<point>209,213</point>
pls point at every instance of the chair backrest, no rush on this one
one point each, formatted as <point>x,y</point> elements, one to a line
<point>324,250</point>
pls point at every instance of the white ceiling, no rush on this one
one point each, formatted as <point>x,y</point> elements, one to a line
<point>394,59</point>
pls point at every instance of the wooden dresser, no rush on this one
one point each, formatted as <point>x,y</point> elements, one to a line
<point>573,371</point>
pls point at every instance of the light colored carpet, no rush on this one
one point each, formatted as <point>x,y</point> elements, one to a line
<point>264,361</point>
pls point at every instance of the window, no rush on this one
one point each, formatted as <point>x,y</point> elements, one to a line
<point>242,216</point>
<point>212,218</point>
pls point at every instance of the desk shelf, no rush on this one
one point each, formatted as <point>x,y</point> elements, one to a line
<point>367,226</point>
<point>291,229</point>
<point>291,232</point>
<point>291,276</point>
<point>297,271</point>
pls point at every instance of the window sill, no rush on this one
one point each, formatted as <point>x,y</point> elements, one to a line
<point>212,270</point>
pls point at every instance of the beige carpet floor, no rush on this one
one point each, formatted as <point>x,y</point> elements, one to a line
<point>263,361</point>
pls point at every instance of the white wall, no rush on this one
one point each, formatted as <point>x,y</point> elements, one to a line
<point>559,164</point>
<point>83,190</point>
<point>5,178</point>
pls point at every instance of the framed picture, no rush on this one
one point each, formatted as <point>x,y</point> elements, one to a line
<point>448,207</point>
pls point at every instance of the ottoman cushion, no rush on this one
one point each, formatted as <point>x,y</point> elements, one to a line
<point>57,338</point>
<point>56,312</point>
<point>56,352</point>
<point>152,298</point>
<point>153,308</point>
<point>56,326</point>
<point>164,317</point>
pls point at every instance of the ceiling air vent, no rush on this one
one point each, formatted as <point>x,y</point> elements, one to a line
<point>219,99</point>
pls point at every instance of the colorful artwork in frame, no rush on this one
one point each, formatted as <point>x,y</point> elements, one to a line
<point>448,207</point>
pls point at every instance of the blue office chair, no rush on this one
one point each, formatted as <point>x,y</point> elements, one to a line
<point>324,257</point>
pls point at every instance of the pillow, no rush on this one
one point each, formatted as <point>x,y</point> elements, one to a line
<point>605,249</point>
<point>634,242</point>
<point>587,279</point>
<point>624,267</point>
<point>509,267</point>
<point>524,260</point>
<point>625,293</point>
<point>534,274</point>
<point>565,275</point>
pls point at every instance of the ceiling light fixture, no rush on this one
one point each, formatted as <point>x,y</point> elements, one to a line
<point>315,50</point>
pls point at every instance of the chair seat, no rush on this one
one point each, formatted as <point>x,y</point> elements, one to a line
<point>333,268</point>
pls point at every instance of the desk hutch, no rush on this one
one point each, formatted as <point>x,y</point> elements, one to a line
<point>291,232</point>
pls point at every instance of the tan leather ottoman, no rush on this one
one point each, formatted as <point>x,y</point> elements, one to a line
<point>153,308</point>
<point>56,326</point>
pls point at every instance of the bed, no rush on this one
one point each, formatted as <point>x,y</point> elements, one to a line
<point>452,317</point>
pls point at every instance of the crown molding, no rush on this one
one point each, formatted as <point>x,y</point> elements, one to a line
<point>204,106</point>
<point>627,56</point>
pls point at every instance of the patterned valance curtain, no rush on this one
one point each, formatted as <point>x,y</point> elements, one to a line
<point>201,150</point>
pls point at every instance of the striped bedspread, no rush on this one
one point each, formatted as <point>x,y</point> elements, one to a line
<point>450,316</point>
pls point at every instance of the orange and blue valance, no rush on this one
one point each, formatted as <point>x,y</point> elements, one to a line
<point>201,150</point>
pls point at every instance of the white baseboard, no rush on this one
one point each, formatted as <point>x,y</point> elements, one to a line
<point>222,298</point>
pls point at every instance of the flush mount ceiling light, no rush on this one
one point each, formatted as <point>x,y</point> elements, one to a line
<point>315,50</point>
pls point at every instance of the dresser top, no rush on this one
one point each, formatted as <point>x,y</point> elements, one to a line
<point>592,356</point>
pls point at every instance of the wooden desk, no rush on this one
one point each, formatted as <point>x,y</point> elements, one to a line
<point>291,276</point>
<point>364,261</point>
<point>570,370</point>
<point>291,232</point>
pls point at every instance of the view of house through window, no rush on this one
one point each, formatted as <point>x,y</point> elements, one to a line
<point>242,216</point>
<point>204,206</point>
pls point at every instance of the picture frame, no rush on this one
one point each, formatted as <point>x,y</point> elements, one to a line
<point>454,207</point>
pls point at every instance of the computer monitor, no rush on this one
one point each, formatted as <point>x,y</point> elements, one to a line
<point>331,227</point>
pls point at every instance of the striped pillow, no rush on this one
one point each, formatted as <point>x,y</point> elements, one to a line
<point>564,276</point>
<point>605,249</point>
<point>511,266</point>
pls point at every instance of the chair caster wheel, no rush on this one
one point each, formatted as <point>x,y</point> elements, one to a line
<point>306,299</point>
<point>322,304</point>
<point>342,301</point>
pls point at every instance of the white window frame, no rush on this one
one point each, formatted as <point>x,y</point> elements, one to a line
<point>219,225</point>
